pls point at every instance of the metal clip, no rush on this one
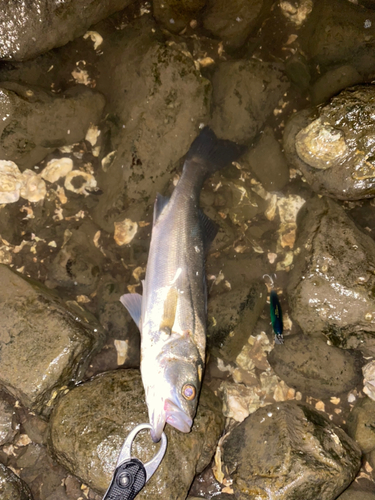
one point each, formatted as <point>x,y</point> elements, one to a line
<point>131,474</point>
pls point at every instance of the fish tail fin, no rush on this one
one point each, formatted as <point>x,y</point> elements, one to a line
<point>212,153</point>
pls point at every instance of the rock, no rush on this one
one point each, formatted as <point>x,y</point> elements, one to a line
<point>78,264</point>
<point>7,419</point>
<point>174,15</point>
<point>268,162</point>
<point>330,286</point>
<point>110,405</point>
<point>290,450</point>
<point>361,424</point>
<point>232,317</point>
<point>153,127</point>
<point>341,32</point>
<point>333,82</point>
<point>25,138</point>
<point>334,148</point>
<point>44,345</point>
<point>122,346</point>
<point>245,94</point>
<point>12,487</point>
<point>233,21</point>
<point>354,494</point>
<point>21,24</point>
<point>314,368</point>
<point>44,477</point>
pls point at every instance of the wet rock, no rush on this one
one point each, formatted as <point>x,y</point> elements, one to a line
<point>25,138</point>
<point>312,367</point>
<point>153,126</point>
<point>174,15</point>
<point>7,419</point>
<point>331,285</point>
<point>231,319</point>
<point>289,447</point>
<point>333,82</point>
<point>12,487</point>
<point>233,21</point>
<point>268,162</point>
<point>44,476</point>
<point>361,424</point>
<point>22,23</point>
<point>43,344</point>
<point>354,494</point>
<point>123,340</point>
<point>341,33</point>
<point>77,265</point>
<point>245,94</point>
<point>110,405</point>
<point>333,145</point>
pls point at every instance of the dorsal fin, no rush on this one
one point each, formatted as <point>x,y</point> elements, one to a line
<point>209,229</point>
<point>160,202</point>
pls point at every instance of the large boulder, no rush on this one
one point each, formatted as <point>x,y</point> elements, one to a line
<point>319,370</point>
<point>333,145</point>
<point>331,286</point>
<point>44,345</point>
<point>152,123</point>
<point>23,23</point>
<point>12,487</point>
<point>109,406</point>
<point>24,137</point>
<point>289,450</point>
<point>245,93</point>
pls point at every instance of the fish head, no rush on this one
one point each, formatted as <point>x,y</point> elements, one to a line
<point>172,391</point>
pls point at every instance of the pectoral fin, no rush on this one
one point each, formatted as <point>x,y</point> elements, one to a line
<point>170,308</point>
<point>133,303</point>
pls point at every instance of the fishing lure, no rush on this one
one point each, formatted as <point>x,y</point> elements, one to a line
<point>276,313</point>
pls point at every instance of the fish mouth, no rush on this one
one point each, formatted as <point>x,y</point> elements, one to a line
<point>172,415</point>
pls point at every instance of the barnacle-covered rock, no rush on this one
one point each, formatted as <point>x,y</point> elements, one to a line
<point>57,168</point>
<point>80,182</point>
<point>33,188</point>
<point>334,145</point>
<point>10,182</point>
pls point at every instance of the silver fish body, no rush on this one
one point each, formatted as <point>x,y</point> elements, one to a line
<point>171,314</point>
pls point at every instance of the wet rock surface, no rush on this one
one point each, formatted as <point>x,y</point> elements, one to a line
<point>280,441</point>
<point>227,333</point>
<point>361,424</point>
<point>12,487</point>
<point>333,145</point>
<point>56,343</point>
<point>110,405</point>
<point>21,24</point>
<point>24,137</point>
<point>245,93</point>
<point>318,369</point>
<point>330,287</point>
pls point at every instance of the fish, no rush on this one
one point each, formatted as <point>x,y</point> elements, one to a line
<point>171,313</point>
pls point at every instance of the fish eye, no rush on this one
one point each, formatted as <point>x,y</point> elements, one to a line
<point>189,392</point>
